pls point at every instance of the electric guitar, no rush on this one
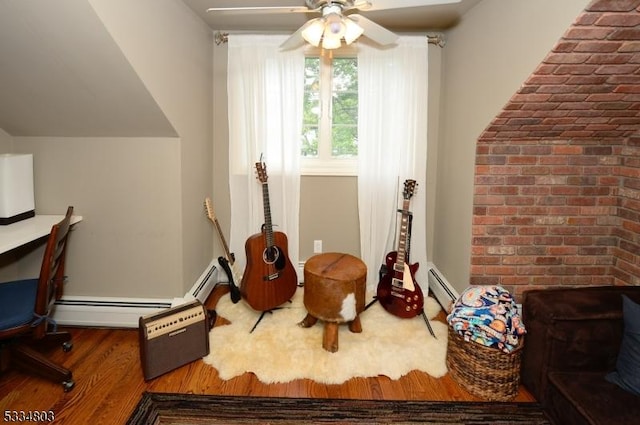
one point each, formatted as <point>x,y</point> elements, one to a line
<point>397,290</point>
<point>269,278</point>
<point>227,262</point>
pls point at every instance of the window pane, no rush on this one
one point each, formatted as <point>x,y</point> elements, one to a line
<point>345,107</point>
<point>311,112</point>
<point>309,141</point>
<point>345,75</point>
<point>345,141</point>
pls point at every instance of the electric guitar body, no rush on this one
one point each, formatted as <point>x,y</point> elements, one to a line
<point>398,291</point>
<point>397,296</point>
<point>269,278</point>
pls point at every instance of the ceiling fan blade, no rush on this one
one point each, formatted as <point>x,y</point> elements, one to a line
<point>259,9</point>
<point>296,39</point>
<point>373,31</point>
<point>400,4</point>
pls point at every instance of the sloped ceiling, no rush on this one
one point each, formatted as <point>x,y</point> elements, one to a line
<point>587,88</point>
<point>61,74</point>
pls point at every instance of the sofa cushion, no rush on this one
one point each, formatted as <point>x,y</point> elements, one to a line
<point>627,373</point>
<point>587,398</point>
<point>571,329</point>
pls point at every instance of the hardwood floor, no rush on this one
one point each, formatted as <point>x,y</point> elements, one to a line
<point>109,382</point>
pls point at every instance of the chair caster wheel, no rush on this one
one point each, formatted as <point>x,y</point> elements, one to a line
<point>67,346</point>
<point>68,385</point>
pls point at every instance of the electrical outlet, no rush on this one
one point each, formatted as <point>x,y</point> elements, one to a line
<point>317,246</point>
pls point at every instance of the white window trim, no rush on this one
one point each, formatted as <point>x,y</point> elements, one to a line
<point>331,167</point>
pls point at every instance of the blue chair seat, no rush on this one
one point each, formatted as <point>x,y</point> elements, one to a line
<point>17,302</point>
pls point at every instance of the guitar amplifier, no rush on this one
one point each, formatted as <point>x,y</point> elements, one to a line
<point>173,338</point>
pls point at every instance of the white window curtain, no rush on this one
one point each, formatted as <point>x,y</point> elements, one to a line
<point>392,147</point>
<point>265,94</point>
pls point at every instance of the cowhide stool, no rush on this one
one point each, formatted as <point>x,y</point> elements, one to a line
<point>334,292</point>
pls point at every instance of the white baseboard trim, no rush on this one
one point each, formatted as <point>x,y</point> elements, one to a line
<point>106,311</point>
<point>112,312</point>
<point>300,272</point>
<point>441,288</point>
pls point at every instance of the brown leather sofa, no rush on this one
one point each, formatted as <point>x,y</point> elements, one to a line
<point>572,342</point>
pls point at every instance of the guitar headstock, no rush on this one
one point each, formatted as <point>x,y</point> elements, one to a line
<point>208,207</point>
<point>409,188</point>
<point>261,171</point>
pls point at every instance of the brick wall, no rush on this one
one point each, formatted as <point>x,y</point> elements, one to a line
<point>557,179</point>
<point>627,230</point>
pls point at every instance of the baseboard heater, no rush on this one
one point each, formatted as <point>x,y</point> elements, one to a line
<point>125,312</point>
<point>205,283</point>
<point>441,288</point>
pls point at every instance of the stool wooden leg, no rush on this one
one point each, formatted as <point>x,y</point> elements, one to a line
<point>308,321</point>
<point>355,326</point>
<point>330,337</point>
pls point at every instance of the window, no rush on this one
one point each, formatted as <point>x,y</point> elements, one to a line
<point>330,116</point>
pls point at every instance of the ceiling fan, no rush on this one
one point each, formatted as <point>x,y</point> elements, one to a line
<point>338,21</point>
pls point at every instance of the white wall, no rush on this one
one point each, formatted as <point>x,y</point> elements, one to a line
<point>144,233</point>
<point>6,142</point>
<point>7,266</point>
<point>170,49</point>
<point>126,190</point>
<point>488,56</point>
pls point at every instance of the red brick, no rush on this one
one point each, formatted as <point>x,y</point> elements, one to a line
<point>478,220</point>
<point>612,6</point>
<point>625,34</point>
<point>591,33</point>
<point>572,69</point>
<point>573,97</point>
<point>619,20</point>
<point>597,81</point>
<point>570,58</point>
<point>630,46</point>
<point>532,231</point>
<point>616,69</point>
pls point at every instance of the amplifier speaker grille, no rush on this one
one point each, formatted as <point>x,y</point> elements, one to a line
<point>173,338</point>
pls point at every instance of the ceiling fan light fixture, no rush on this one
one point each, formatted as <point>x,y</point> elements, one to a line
<point>334,26</point>
<point>314,31</point>
<point>352,31</point>
<point>331,43</point>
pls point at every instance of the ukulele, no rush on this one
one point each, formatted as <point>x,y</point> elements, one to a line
<point>269,278</point>
<point>397,290</point>
<point>228,262</point>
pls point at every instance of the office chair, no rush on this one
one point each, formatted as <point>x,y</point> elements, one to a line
<point>25,306</point>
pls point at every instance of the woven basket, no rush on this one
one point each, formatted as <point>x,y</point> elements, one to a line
<point>485,372</point>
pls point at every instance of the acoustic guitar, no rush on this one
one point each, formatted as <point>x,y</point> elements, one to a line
<point>269,278</point>
<point>397,290</point>
<point>228,262</point>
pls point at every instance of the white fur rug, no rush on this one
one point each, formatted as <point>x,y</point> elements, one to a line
<point>279,350</point>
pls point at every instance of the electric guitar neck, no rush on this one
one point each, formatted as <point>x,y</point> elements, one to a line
<point>397,290</point>
<point>227,262</point>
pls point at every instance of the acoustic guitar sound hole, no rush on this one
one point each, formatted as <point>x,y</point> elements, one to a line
<point>271,255</point>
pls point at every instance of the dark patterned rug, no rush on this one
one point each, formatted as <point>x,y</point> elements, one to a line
<point>183,409</point>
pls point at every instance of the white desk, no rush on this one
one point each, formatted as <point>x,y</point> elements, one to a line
<point>24,231</point>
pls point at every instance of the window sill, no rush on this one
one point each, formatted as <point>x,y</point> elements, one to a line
<point>336,167</point>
